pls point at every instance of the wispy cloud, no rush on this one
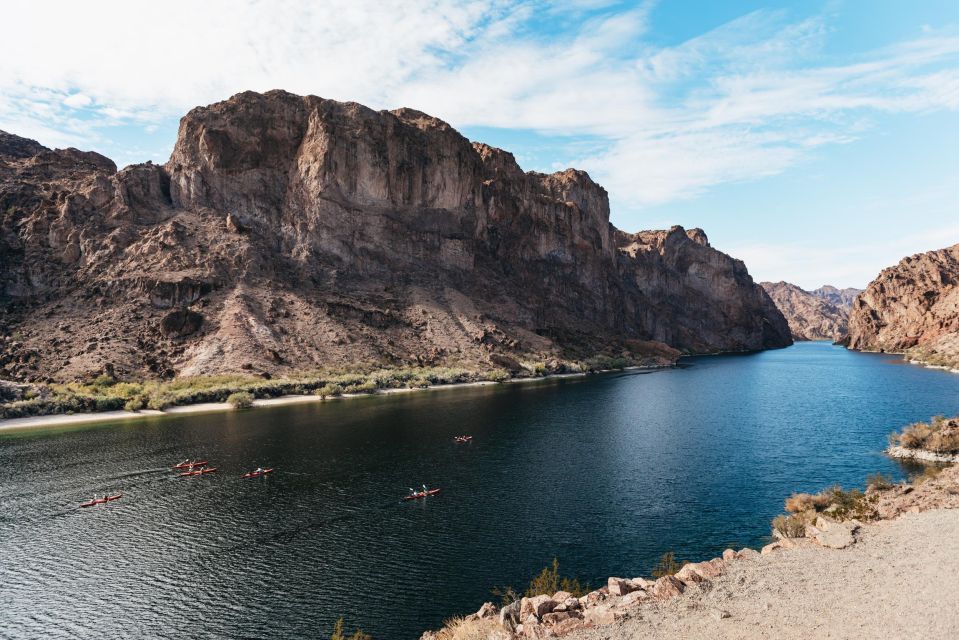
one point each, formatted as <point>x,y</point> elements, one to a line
<point>745,100</point>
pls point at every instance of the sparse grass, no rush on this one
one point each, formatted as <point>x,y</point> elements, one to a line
<point>791,526</point>
<point>878,482</point>
<point>339,634</point>
<point>668,565</point>
<point>939,435</point>
<point>465,629</point>
<point>547,582</point>
<point>930,472</point>
<point>240,400</point>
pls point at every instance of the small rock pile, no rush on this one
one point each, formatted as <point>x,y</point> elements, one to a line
<point>825,532</point>
<point>546,616</point>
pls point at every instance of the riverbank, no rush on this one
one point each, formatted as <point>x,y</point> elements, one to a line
<point>61,420</point>
<point>901,562</point>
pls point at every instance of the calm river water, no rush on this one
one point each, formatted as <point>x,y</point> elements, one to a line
<point>605,473</point>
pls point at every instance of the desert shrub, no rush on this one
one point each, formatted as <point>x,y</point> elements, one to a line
<point>668,565</point>
<point>929,472</point>
<point>497,375</point>
<point>240,400</point>
<point>507,595</point>
<point>103,380</point>
<point>791,526</point>
<point>800,502</point>
<point>161,400</point>
<point>549,582</point>
<point>844,504</point>
<point>878,482</point>
<point>338,633</point>
<point>136,403</point>
<point>940,435</point>
<point>329,390</point>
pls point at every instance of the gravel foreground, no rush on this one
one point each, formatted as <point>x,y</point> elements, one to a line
<point>901,580</point>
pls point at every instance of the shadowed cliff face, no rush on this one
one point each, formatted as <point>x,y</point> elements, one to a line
<point>295,233</point>
<point>912,307</point>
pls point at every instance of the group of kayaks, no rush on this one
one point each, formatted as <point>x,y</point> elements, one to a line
<point>186,468</point>
<point>189,468</point>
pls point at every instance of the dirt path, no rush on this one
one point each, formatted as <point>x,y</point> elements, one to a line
<point>900,581</point>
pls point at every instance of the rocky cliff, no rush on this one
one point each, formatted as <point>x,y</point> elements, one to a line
<point>822,314</point>
<point>912,308</point>
<point>291,233</point>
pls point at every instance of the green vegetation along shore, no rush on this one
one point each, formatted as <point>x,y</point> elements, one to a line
<point>105,393</point>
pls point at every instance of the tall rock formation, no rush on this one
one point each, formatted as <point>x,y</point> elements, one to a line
<point>912,308</point>
<point>821,314</point>
<point>290,233</point>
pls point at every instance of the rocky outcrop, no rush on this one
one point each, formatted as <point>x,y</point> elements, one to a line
<point>812,315</point>
<point>912,308</point>
<point>293,233</point>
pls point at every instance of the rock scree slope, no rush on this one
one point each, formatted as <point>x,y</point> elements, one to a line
<point>292,233</point>
<point>912,308</point>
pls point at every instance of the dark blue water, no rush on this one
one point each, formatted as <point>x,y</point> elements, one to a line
<point>605,473</point>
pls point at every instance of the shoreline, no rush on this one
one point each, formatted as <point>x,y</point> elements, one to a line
<point>922,455</point>
<point>61,419</point>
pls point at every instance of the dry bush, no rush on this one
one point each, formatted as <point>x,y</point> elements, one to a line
<point>668,565</point>
<point>469,629</point>
<point>800,502</point>
<point>791,526</point>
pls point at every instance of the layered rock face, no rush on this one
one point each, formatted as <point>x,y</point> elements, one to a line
<point>822,314</point>
<point>912,308</point>
<point>292,233</point>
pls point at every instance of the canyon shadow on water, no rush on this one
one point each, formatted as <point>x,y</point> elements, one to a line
<point>605,473</point>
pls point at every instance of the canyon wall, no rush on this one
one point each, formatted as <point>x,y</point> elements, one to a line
<point>912,308</point>
<point>291,233</point>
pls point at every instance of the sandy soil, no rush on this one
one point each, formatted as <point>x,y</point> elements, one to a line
<point>899,581</point>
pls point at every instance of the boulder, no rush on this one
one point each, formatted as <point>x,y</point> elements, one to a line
<point>634,597</point>
<point>729,555</point>
<point>746,553</point>
<point>832,534</point>
<point>572,603</point>
<point>641,583</point>
<point>488,610</point>
<point>536,606</point>
<point>554,617</point>
<point>690,575</point>
<point>602,615</point>
<point>668,587</point>
<point>619,586</point>
<point>561,596</point>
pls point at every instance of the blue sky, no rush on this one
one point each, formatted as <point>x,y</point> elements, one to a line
<point>814,140</point>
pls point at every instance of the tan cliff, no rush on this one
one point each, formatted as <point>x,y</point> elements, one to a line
<point>912,308</point>
<point>290,233</point>
<point>822,314</point>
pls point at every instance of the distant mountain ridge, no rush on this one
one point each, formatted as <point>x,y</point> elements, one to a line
<point>821,314</point>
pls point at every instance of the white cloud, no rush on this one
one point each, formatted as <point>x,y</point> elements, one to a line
<point>746,100</point>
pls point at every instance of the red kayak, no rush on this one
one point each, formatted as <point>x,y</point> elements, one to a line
<point>421,494</point>
<point>198,472</point>
<point>257,474</point>
<point>189,464</point>
<point>102,500</point>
